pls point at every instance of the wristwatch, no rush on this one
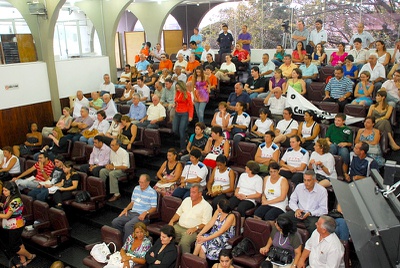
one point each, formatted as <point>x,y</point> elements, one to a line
<point>197,227</point>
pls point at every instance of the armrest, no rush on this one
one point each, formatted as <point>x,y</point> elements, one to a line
<point>154,215</point>
<point>60,232</point>
<point>97,198</point>
<point>90,246</point>
<point>41,225</point>
<point>78,159</point>
<point>235,240</point>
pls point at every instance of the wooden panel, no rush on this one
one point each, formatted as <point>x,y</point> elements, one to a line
<point>14,122</point>
<point>26,48</point>
<point>118,59</point>
<point>172,41</point>
<point>133,43</point>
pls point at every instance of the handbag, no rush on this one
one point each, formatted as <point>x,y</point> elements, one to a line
<point>101,252</point>
<point>115,261</point>
<point>74,130</point>
<point>280,256</point>
<point>123,139</point>
<point>246,246</point>
<point>334,213</point>
<point>90,133</point>
<point>82,196</point>
<point>5,176</point>
<point>216,188</point>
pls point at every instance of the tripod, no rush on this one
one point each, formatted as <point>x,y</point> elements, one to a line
<point>286,39</point>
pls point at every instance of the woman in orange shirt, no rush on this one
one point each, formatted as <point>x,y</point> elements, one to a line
<point>145,50</point>
<point>183,112</point>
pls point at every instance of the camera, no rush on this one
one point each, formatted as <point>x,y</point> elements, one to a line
<point>280,256</point>
<point>285,25</point>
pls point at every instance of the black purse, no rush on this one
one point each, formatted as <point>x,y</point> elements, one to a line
<point>334,213</point>
<point>280,256</point>
<point>82,196</point>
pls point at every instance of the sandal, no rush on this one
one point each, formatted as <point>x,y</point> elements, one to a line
<point>29,260</point>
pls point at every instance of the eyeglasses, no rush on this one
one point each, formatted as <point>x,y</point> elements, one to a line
<point>163,57</point>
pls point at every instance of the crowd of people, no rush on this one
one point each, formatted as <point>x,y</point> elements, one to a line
<point>288,152</point>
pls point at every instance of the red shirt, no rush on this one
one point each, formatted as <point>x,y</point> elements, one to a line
<point>191,66</point>
<point>213,80</point>
<point>47,169</point>
<point>167,64</point>
<point>182,105</point>
<point>241,54</point>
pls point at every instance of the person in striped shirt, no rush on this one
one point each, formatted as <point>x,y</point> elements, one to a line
<point>339,89</point>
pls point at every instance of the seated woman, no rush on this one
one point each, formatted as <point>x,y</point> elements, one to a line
<point>221,182</point>
<point>243,56</point>
<point>276,81</point>
<point>284,235</point>
<point>169,174</point>
<point>128,130</point>
<point>338,57</point>
<point>382,112</point>
<point>363,90</point>
<point>383,55</point>
<point>225,259</point>
<point>294,162</point>
<point>59,145</point>
<point>197,140</point>
<point>323,163</point>
<point>371,135</point>
<point>64,123</point>
<point>349,69</point>
<point>298,53</point>
<point>262,125</point>
<point>33,139</point>
<point>221,118</point>
<point>318,57</point>
<point>151,77</point>
<point>134,75</point>
<point>99,127</point>
<point>127,95</point>
<point>221,227</point>
<point>164,76</point>
<point>308,130</point>
<point>66,186</point>
<point>227,70</point>
<point>163,253</point>
<point>248,189</point>
<point>274,199</point>
<point>113,130</point>
<point>10,165</point>
<point>267,152</point>
<point>296,82</point>
<point>278,56</point>
<point>136,246</point>
<point>217,144</point>
<point>286,128</point>
<point>238,123</point>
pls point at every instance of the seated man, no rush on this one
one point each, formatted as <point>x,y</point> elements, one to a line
<point>309,70</point>
<point>99,157</point>
<point>178,75</point>
<point>109,107</point>
<point>255,84</point>
<point>196,50</point>
<point>323,248</point>
<point>82,123</point>
<point>267,68</point>
<point>192,215</point>
<point>125,77</point>
<point>193,173</point>
<point>207,50</point>
<point>287,67</point>
<point>237,96</point>
<point>137,110</point>
<point>181,62</point>
<point>339,89</point>
<point>340,138</point>
<point>142,89</point>
<point>376,69</point>
<point>155,114</point>
<point>43,167</point>
<point>96,103</point>
<point>41,193</point>
<point>276,103</point>
<point>80,101</point>
<point>119,162</point>
<point>107,86</point>
<point>157,53</point>
<point>392,88</point>
<point>185,52</point>
<point>308,202</point>
<point>142,64</point>
<point>165,63</point>
<point>192,65</point>
<point>360,163</point>
<point>143,202</point>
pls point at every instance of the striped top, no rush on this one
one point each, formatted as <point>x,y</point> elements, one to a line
<point>48,168</point>
<point>143,200</point>
<point>338,88</point>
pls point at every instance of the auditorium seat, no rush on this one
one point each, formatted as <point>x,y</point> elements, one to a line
<point>41,218</point>
<point>78,152</point>
<point>27,213</point>
<point>169,205</point>
<point>245,152</point>
<point>124,109</point>
<point>129,172</point>
<point>330,107</point>
<point>97,189</point>
<point>255,106</point>
<point>316,91</point>
<point>151,143</point>
<point>325,72</point>
<point>188,260</point>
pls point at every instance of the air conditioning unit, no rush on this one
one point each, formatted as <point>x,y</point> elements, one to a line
<point>37,9</point>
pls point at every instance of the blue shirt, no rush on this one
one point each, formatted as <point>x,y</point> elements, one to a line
<point>197,37</point>
<point>310,70</point>
<point>338,88</point>
<point>360,166</point>
<point>233,98</point>
<point>137,112</point>
<point>142,65</point>
<point>143,200</point>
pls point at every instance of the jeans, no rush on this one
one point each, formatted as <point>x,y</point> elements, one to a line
<point>179,126</point>
<point>181,193</point>
<point>89,141</point>
<point>342,231</point>
<point>146,124</point>
<point>254,95</point>
<point>342,151</point>
<point>200,107</point>
<point>125,223</point>
<point>277,63</point>
<point>392,101</point>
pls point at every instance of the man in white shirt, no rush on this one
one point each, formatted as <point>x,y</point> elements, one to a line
<point>178,75</point>
<point>109,107</point>
<point>185,51</point>
<point>125,76</point>
<point>367,40</point>
<point>207,50</point>
<point>318,35</point>
<point>155,114</point>
<point>276,103</point>
<point>376,69</point>
<point>191,216</point>
<point>142,89</point>
<point>360,55</point>
<point>156,53</point>
<point>119,162</point>
<point>392,88</point>
<point>107,86</point>
<point>323,248</point>
<point>79,102</point>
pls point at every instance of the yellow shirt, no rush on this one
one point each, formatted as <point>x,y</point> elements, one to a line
<point>287,70</point>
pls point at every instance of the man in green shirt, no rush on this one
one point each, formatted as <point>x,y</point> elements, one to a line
<point>340,138</point>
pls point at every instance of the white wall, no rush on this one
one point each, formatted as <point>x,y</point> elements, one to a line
<point>31,81</point>
<point>84,74</point>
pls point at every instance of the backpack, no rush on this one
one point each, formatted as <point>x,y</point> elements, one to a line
<point>245,246</point>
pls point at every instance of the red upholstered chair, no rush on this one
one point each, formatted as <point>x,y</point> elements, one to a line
<point>323,128</point>
<point>245,152</point>
<point>108,234</point>
<point>169,205</point>
<point>124,109</point>
<point>384,143</point>
<point>255,106</point>
<point>151,143</point>
<point>78,152</point>
<point>339,167</point>
<point>188,260</point>
<point>130,172</point>
<point>316,91</point>
<point>325,72</point>
<point>88,151</point>
<point>41,217</point>
<point>258,232</point>
<point>27,213</point>
<point>59,232</point>
<point>97,189</point>
<point>330,107</point>
<point>29,163</point>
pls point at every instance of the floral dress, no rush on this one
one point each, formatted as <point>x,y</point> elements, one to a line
<point>169,187</point>
<point>139,252</point>
<point>374,150</point>
<point>214,246</point>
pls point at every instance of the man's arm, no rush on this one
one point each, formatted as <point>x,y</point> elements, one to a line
<point>25,173</point>
<point>174,219</point>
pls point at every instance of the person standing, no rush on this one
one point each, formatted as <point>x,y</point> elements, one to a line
<point>367,40</point>
<point>183,112</point>
<point>318,35</point>
<point>197,37</point>
<point>225,40</point>
<point>244,38</point>
<point>300,35</point>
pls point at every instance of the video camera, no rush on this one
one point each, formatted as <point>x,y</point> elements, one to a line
<point>285,25</point>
